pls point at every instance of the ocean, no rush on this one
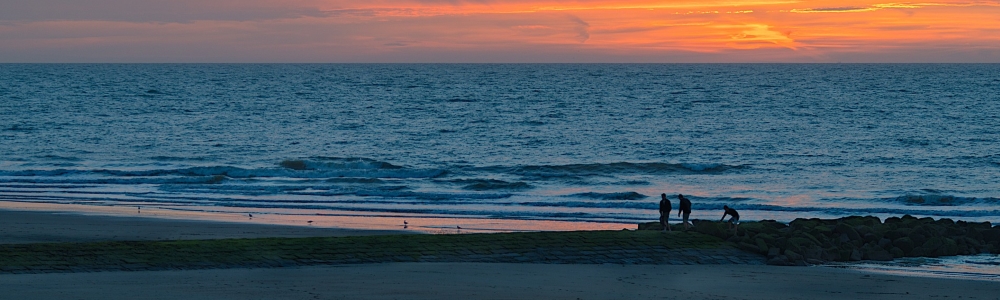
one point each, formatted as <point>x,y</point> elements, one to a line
<point>566,143</point>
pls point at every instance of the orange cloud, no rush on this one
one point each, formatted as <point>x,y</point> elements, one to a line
<point>511,30</point>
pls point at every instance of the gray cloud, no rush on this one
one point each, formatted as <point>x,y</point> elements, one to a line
<point>154,10</point>
<point>581,27</point>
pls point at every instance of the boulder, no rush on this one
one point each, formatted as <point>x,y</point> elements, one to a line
<point>904,243</point>
<point>885,243</point>
<point>748,247</point>
<point>774,251</point>
<point>933,245</point>
<point>868,221</point>
<point>795,258</point>
<point>875,253</point>
<point>869,237</point>
<point>950,248</point>
<point>856,255</point>
<point>779,260</point>
<point>918,239</point>
<point>852,235</point>
<point>990,235</point>
<point>762,245</point>
<point>814,253</point>
<point>897,233</point>
<point>897,252</point>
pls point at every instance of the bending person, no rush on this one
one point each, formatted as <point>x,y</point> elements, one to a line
<point>686,210</point>
<point>734,220</point>
<point>665,212</point>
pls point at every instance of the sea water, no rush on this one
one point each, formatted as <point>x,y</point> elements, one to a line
<point>508,146</point>
<point>583,143</point>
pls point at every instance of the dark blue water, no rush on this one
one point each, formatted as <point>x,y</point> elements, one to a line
<point>587,143</point>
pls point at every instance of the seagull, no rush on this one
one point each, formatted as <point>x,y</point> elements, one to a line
<point>310,222</point>
<point>251,215</point>
<point>459,227</point>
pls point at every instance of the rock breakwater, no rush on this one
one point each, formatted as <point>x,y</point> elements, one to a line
<point>816,241</point>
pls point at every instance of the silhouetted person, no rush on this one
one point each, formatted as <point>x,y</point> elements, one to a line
<point>734,220</point>
<point>685,210</point>
<point>665,212</point>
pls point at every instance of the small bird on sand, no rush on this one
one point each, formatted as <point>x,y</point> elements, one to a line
<point>310,222</point>
<point>459,227</point>
<point>405,224</point>
<point>251,215</point>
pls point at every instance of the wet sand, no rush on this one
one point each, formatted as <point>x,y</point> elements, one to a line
<point>494,281</point>
<point>21,227</point>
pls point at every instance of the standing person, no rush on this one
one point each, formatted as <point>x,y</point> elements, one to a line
<point>665,212</point>
<point>734,220</point>
<point>686,210</point>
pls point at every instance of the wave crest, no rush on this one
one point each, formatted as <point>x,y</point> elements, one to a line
<point>612,196</point>
<point>620,167</point>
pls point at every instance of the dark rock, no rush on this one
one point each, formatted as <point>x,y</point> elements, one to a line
<point>933,245</point>
<point>868,221</point>
<point>821,231</point>
<point>762,246</point>
<point>991,235</point>
<point>779,260</point>
<point>810,239</point>
<point>869,237</point>
<point>862,229</point>
<point>897,252</point>
<point>854,238</point>
<point>795,258</point>
<point>904,243</point>
<point>885,243</point>
<point>918,239</point>
<point>897,233</point>
<point>856,255</point>
<point>950,248</point>
<point>801,224</point>
<point>716,229</point>
<point>871,253</point>
<point>774,251</point>
<point>750,247</point>
<point>815,253</point>
<point>975,246</point>
<point>844,238</point>
<point>843,228</point>
<point>767,237</point>
<point>772,225</point>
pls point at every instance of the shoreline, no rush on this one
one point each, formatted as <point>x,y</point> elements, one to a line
<point>420,223</point>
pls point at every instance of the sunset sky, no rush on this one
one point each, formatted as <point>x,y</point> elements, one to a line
<point>498,31</point>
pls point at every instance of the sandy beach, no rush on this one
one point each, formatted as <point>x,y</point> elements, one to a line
<point>427,280</point>
<point>21,227</point>
<point>494,281</point>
